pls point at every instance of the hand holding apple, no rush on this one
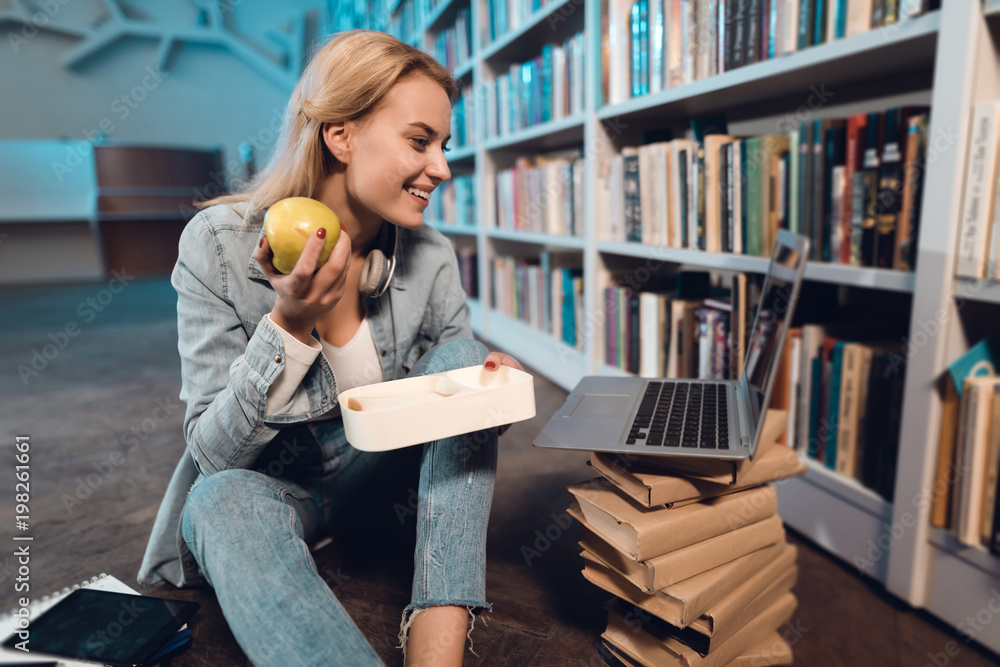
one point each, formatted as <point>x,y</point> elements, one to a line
<point>290,222</point>
<point>315,283</point>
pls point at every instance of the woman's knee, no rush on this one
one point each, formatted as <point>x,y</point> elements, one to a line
<point>216,501</point>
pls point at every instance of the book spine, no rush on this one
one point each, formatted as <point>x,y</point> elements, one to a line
<point>869,238</point>
<point>972,231</point>
<point>832,407</point>
<point>890,199</point>
<point>720,367</point>
<point>725,196</point>
<point>807,9</point>
<point>815,446</point>
<point>682,168</point>
<point>702,236</point>
<point>753,205</point>
<point>752,32</point>
<point>633,229</point>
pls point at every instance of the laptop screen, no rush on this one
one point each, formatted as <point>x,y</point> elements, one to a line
<point>774,313</point>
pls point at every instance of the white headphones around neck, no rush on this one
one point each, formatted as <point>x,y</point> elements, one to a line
<point>377,271</point>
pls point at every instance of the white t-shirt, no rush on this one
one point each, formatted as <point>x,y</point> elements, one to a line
<point>354,364</point>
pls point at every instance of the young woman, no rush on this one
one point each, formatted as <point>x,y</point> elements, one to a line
<point>265,355</point>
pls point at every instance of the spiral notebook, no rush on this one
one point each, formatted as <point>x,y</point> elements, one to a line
<point>102,582</point>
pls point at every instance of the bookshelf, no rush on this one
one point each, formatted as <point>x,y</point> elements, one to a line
<point>950,55</point>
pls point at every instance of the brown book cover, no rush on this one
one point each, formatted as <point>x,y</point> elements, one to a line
<point>723,471</point>
<point>771,651</point>
<point>667,569</point>
<point>645,532</point>
<point>710,632</point>
<point>628,635</point>
<point>717,595</point>
<point>653,487</point>
<point>941,509</point>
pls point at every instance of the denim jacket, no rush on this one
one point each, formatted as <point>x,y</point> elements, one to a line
<point>230,354</point>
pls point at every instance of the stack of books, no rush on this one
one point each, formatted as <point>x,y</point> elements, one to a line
<point>694,553</point>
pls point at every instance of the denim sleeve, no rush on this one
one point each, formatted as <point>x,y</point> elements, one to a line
<point>448,291</point>
<point>224,376</point>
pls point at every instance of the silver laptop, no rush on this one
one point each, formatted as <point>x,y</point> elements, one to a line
<point>718,419</point>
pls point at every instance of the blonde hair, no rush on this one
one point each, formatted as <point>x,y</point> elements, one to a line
<point>346,80</point>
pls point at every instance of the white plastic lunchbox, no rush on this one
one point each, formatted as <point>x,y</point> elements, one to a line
<point>390,415</point>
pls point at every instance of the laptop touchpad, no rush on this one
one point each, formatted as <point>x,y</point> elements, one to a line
<point>603,405</point>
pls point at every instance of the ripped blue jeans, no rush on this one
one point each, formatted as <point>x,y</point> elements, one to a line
<point>250,531</point>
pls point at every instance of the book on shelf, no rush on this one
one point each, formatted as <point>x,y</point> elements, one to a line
<point>837,181</point>
<point>453,45</point>
<point>979,229</point>
<point>974,503</point>
<point>548,298</point>
<point>468,266</point>
<point>980,360</point>
<point>454,202</point>
<point>653,45</point>
<point>546,88</point>
<point>542,194</point>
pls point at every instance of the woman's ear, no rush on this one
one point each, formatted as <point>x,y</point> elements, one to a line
<point>337,137</point>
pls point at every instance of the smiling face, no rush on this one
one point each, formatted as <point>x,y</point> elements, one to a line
<point>395,159</point>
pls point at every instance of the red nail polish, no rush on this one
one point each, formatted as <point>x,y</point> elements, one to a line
<point>342,228</point>
<point>260,244</point>
<point>491,365</point>
<point>321,232</point>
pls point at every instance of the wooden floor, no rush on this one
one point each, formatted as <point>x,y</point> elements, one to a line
<point>92,376</point>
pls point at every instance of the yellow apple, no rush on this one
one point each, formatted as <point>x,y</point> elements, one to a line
<point>290,222</point>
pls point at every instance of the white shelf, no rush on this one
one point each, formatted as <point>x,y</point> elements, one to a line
<point>978,290</point>
<point>476,316</point>
<point>461,153</point>
<point>554,241</point>
<point>496,46</point>
<point>964,581</point>
<point>559,132</point>
<point>840,515</point>
<point>453,229</point>
<point>464,68</point>
<point>857,276</point>
<point>613,371</point>
<point>899,281</point>
<point>554,359</point>
<point>898,49</point>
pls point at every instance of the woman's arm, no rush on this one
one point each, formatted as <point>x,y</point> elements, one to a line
<point>225,375</point>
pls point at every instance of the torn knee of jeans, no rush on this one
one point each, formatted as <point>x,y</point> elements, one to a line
<point>410,614</point>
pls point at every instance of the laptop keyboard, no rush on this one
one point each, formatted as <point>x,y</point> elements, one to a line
<point>682,414</point>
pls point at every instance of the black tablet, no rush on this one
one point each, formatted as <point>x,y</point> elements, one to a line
<point>116,629</point>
